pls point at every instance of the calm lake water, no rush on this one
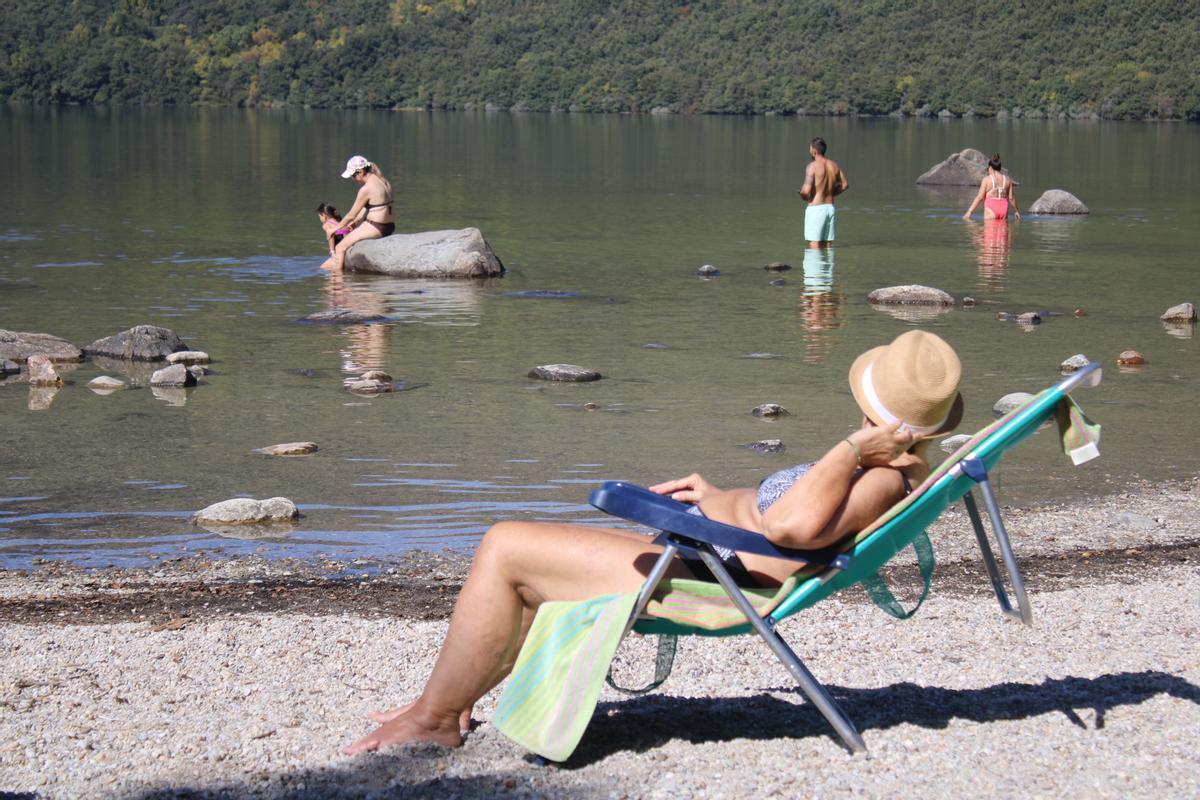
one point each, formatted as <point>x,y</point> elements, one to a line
<point>202,221</point>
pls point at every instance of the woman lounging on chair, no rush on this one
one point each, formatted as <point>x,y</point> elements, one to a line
<point>907,392</point>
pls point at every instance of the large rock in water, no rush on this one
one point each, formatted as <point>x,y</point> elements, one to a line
<point>1056,201</point>
<point>139,343</point>
<point>965,168</point>
<point>910,294</point>
<point>19,346</point>
<point>432,254</point>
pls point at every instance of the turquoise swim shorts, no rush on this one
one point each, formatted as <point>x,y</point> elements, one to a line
<point>818,222</point>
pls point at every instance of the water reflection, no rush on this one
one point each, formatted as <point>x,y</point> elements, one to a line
<point>993,242</point>
<point>820,306</point>
<point>1057,239</point>
<point>400,300</point>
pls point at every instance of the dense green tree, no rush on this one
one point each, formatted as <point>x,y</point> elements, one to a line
<point>1133,59</point>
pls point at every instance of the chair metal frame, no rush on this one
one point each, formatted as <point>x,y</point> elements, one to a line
<point>682,532</point>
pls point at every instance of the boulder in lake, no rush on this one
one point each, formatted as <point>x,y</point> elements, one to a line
<point>1074,363</point>
<point>375,375</point>
<point>460,253</point>
<point>564,372</point>
<point>344,316</point>
<point>767,446</point>
<point>8,367</point>
<point>708,271</point>
<point>952,443</point>
<point>1131,358</point>
<point>1029,318</point>
<point>777,266</point>
<point>910,294</point>
<point>770,411</point>
<point>371,387</point>
<point>174,375</point>
<point>18,346</point>
<point>965,168</point>
<point>1056,201</point>
<point>1184,312</point>
<point>189,357</point>
<point>105,384</point>
<point>139,343</point>
<point>247,511</point>
<point>41,371</point>
<point>289,449</point>
<point>1010,401</point>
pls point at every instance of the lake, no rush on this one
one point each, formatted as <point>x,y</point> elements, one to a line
<point>202,221</point>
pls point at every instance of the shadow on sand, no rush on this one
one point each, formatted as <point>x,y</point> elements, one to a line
<point>649,722</point>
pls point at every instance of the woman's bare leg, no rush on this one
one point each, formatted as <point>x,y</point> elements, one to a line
<point>518,566</point>
<point>364,231</point>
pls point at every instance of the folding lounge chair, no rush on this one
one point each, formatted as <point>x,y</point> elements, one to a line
<point>730,610</point>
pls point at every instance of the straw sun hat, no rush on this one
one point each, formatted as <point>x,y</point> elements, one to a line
<point>913,380</point>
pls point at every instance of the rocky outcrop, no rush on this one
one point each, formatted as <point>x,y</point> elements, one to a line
<point>139,343</point>
<point>247,511</point>
<point>1074,363</point>
<point>564,372</point>
<point>432,254</point>
<point>1010,401</point>
<point>289,449</point>
<point>1056,201</point>
<point>910,294</point>
<point>1131,358</point>
<point>189,357</point>
<point>767,446</point>
<point>105,384</point>
<point>41,371</point>
<point>18,346</point>
<point>965,168</point>
<point>174,375</point>
<point>1184,312</point>
<point>344,316</point>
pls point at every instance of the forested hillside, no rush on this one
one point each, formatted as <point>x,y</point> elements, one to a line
<point>1129,59</point>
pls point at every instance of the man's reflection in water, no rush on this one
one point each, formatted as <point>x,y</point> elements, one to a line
<point>820,306</point>
<point>365,346</point>
<point>993,242</point>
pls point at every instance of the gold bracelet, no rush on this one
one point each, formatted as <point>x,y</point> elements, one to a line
<point>857,452</point>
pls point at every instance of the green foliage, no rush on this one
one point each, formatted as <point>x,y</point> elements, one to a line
<point>1131,59</point>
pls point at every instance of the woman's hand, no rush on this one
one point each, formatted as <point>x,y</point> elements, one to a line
<point>880,445</point>
<point>691,489</point>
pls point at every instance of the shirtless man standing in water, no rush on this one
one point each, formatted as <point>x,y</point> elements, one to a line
<point>823,181</point>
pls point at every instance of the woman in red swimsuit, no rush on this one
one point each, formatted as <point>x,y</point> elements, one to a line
<point>996,193</point>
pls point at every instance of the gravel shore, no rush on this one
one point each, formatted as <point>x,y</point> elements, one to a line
<point>242,678</point>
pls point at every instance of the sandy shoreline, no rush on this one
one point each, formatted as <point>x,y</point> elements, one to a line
<point>232,678</point>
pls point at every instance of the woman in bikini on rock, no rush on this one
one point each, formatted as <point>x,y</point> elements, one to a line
<point>371,215</point>
<point>906,392</point>
<point>996,193</point>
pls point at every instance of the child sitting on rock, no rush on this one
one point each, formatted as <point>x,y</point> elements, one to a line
<point>331,223</point>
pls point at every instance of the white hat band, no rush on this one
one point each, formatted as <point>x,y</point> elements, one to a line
<point>887,416</point>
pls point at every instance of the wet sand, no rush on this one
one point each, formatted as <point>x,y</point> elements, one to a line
<point>242,677</point>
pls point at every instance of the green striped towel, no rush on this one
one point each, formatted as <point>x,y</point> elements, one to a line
<point>555,684</point>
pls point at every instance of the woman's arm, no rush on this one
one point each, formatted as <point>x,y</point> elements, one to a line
<point>352,216</point>
<point>828,502</point>
<point>978,199</point>
<point>1012,198</point>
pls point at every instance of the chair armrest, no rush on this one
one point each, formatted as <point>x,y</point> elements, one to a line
<point>657,511</point>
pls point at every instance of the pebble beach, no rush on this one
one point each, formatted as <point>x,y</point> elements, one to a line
<point>243,678</point>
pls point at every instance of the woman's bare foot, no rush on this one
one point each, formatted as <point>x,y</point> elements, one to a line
<point>382,717</point>
<point>410,726</point>
<point>331,265</point>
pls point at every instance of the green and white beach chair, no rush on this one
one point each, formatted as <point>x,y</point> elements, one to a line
<point>556,681</point>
